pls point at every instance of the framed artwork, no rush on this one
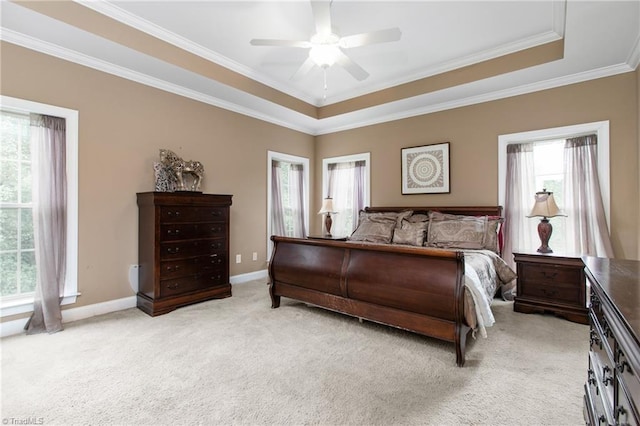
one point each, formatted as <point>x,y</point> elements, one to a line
<point>425,169</point>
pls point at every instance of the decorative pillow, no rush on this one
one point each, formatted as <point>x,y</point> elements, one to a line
<point>374,228</point>
<point>418,217</point>
<point>464,232</point>
<point>410,233</point>
<point>412,237</point>
<point>492,240</point>
<point>378,227</point>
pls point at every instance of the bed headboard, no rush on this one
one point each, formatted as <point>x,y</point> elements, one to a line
<point>462,210</point>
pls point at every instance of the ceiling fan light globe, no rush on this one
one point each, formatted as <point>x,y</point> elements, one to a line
<point>324,38</point>
<point>324,55</point>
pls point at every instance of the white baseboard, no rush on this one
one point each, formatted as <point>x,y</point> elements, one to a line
<point>9,328</point>
<point>243,278</point>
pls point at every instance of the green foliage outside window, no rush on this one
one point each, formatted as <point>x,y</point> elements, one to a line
<point>17,255</point>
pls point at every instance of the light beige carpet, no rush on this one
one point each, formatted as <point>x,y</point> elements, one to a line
<point>237,361</point>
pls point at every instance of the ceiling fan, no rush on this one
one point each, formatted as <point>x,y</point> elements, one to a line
<point>327,48</point>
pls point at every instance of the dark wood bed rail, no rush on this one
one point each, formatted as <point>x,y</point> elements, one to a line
<point>418,289</point>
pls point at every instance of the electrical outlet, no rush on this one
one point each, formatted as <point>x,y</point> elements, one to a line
<point>238,258</point>
<point>255,255</point>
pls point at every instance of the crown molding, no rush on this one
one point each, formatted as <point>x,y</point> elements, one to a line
<point>50,49</point>
<point>117,13</point>
<point>318,127</point>
<point>487,97</point>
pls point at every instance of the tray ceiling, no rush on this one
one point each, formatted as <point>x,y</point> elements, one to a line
<point>450,54</point>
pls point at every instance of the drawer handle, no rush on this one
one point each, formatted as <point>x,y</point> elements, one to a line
<point>624,365</point>
<point>216,213</point>
<point>170,231</point>
<point>172,268</point>
<point>591,379</point>
<point>602,419</point>
<point>173,250</point>
<point>216,229</point>
<point>173,286</point>
<point>550,275</point>
<point>170,213</point>
<point>216,277</point>
<point>593,338</point>
<point>606,380</point>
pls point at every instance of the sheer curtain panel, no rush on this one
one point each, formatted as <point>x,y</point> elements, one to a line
<point>519,230</point>
<point>346,187</point>
<point>48,156</point>
<point>587,231</point>
<point>296,199</point>
<point>277,208</point>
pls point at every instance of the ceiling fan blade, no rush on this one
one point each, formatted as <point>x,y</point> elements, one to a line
<point>304,68</point>
<point>322,16</point>
<point>381,36</point>
<point>354,69</point>
<point>282,43</point>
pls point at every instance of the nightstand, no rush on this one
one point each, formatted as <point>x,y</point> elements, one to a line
<point>551,283</point>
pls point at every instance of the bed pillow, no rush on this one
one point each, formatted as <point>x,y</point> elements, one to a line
<point>377,227</point>
<point>410,233</point>
<point>418,217</point>
<point>463,232</point>
<point>493,240</point>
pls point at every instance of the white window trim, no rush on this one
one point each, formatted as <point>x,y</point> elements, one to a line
<point>601,128</point>
<point>25,304</point>
<point>365,156</point>
<point>278,156</point>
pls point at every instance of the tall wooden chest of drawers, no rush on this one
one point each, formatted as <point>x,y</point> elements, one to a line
<point>612,389</point>
<point>183,249</point>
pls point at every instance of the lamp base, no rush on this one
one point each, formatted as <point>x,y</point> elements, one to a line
<point>544,232</point>
<point>327,224</point>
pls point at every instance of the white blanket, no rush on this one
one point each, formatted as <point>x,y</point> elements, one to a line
<point>484,272</point>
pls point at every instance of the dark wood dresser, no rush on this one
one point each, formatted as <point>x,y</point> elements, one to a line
<point>553,283</point>
<point>612,391</point>
<point>183,249</point>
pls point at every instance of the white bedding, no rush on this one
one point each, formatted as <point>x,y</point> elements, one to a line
<point>484,272</point>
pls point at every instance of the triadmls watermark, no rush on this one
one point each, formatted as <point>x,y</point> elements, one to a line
<point>31,420</point>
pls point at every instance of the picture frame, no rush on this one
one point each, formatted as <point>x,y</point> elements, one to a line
<point>425,169</point>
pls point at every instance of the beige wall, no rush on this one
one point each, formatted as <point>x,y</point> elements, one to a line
<point>122,126</point>
<point>473,133</point>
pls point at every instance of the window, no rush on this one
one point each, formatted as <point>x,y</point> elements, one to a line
<point>346,180</point>
<point>549,168</point>
<point>17,254</point>
<point>549,175</point>
<point>288,196</point>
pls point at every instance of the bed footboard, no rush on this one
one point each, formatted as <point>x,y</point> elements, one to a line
<point>415,289</point>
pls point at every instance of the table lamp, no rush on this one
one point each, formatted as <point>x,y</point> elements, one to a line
<point>545,207</point>
<point>327,208</point>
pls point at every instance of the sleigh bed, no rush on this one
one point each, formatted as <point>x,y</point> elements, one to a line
<point>400,283</point>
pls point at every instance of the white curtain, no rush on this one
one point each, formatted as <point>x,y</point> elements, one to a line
<point>346,187</point>
<point>519,230</point>
<point>277,209</point>
<point>587,232</point>
<point>296,199</point>
<point>287,204</point>
<point>48,156</point>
